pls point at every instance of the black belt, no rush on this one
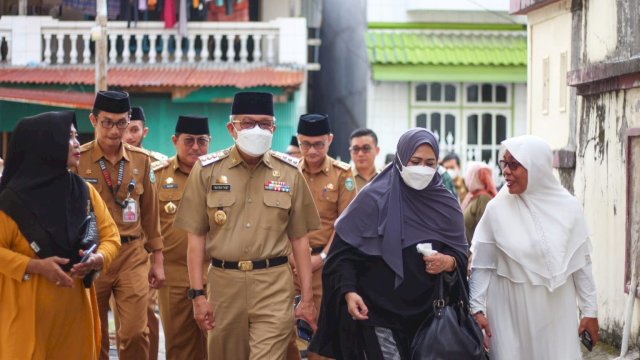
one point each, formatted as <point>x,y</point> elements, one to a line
<point>316,250</point>
<point>126,239</point>
<point>248,265</point>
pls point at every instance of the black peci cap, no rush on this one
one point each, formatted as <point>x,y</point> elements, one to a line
<point>116,102</point>
<point>252,103</point>
<point>137,113</point>
<point>294,141</point>
<point>194,125</point>
<point>314,125</point>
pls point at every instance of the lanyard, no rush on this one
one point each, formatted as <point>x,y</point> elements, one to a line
<point>107,178</point>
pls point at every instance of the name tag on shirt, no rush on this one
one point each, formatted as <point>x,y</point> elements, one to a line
<point>221,187</point>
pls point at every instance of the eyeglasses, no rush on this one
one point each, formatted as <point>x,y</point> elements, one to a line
<point>316,145</point>
<point>365,149</point>
<point>202,141</point>
<point>512,165</point>
<point>107,124</point>
<point>246,124</point>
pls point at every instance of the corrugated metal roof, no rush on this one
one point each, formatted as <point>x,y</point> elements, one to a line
<point>443,47</point>
<point>68,99</point>
<point>155,76</point>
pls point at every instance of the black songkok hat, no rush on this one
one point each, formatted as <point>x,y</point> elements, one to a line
<point>194,125</point>
<point>314,125</point>
<point>116,102</point>
<point>137,113</point>
<point>252,103</point>
<point>294,141</point>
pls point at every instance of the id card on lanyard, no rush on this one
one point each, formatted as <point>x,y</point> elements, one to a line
<point>129,205</point>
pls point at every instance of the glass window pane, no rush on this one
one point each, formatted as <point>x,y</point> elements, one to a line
<point>486,129</point>
<point>436,92</point>
<point>472,129</point>
<point>450,129</point>
<point>435,123</point>
<point>421,92</point>
<point>501,94</point>
<point>449,93</point>
<point>487,95</point>
<point>421,120</point>
<point>501,128</point>
<point>472,93</point>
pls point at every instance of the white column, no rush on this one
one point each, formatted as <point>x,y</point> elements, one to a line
<point>60,49</point>
<point>243,48</point>
<point>292,41</point>
<point>153,52</point>
<point>165,48</point>
<point>113,52</point>
<point>178,53</point>
<point>47,48</point>
<point>73,55</point>
<point>86,52</point>
<point>270,51</point>
<point>8,40</point>
<point>139,51</point>
<point>204,54</point>
<point>191,52</point>
<point>231,47</point>
<point>217,52</point>
<point>257,48</point>
<point>126,53</point>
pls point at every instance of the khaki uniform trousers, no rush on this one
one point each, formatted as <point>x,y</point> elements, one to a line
<point>128,280</point>
<point>292,349</point>
<point>253,313</point>
<point>183,338</point>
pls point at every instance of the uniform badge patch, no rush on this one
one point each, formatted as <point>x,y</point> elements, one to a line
<point>152,177</point>
<point>91,180</point>
<point>349,184</point>
<point>279,186</point>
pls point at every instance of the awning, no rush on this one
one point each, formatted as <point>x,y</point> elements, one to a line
<point>61,98</point>
<point>447,55</point>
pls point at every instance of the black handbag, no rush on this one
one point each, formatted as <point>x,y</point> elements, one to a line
<point>90,236</point>
<point>450,332</point>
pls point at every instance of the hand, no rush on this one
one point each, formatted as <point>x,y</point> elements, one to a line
<point>51,270</point>
<point>316,263</point>
<point>203,313</point>
<point>156,272</point>
<point>435,264</point>
<point>306,311</point>
<point>590,325</point>
<point>95,262</point>
<point>292,263</point>
<point>483,323</point>
<point>356,306</point>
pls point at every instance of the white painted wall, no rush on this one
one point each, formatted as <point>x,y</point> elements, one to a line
<point>600,183</point>
<point>387,114</point>
<point>549,36</point>
<point>602,34</point>
<point>273,9</point>
<point>520,110</point>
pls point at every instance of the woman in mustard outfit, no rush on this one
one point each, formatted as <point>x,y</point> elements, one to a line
<point>46,312</point>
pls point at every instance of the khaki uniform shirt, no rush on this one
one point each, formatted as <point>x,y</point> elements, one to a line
<point>264,207</point>
<point>333,188</point>
<point>138,167</point>
<point>360,180</point>
<point>170,183</point>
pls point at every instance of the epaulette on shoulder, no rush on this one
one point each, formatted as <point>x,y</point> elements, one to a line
<point>342,165</point>
<point>213,157</point>
<point>87,146</point>
<point>137,149</point>
<point>285,158</point>
<point>159,165</point>
<point>158,156</point>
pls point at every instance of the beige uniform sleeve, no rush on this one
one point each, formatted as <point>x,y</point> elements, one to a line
<point>346,196</point>
<point>149,211</point>
<point>304,215</point>
<point>192,212</point>
<point>107,228</point>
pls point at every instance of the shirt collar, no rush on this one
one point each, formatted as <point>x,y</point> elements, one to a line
<point>326,165</point>
<point>98,154</point>
<point>235,158</point>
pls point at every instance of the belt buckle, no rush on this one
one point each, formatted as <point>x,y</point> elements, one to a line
<point>245,265</point>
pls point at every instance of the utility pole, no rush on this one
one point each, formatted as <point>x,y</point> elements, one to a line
<point>100,38</point>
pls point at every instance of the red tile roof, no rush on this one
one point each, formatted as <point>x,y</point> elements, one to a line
<point>156,76</point>
<point>69,99</point>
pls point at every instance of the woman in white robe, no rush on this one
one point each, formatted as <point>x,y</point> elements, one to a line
<point>531,267</point>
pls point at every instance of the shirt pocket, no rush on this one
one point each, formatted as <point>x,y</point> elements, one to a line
<point>330,195</point>
<point>220,201</point>
<point>278,205</point>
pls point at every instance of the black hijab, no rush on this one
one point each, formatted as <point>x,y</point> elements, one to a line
<point>36,175</point>
<point>388,216</point>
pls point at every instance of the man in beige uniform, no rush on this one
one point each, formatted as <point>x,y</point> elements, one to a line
<point>183,337</point>
<point>247,208</point>
<point>123,177</point>
<point>364,149</point>
<point>133,135</point>
<point>332,186</point>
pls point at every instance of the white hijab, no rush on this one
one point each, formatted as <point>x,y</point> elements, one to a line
<point>538,237</point>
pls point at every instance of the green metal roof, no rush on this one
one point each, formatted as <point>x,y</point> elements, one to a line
<point>447,55</point>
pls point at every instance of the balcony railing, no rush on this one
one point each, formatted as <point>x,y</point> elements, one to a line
<point>70,42</point>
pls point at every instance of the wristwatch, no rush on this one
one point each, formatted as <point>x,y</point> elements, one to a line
<point>323,256</point>
<point>193,293</point>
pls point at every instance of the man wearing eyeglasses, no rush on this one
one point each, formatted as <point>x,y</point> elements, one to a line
<point>333,187</point>
<point>246,209</point>
<point>122,175</point>
<point>183,338</point>
<point>364,149</point>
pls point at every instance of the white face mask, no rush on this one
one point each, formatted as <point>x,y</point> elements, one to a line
<point>417,177</point>
<point>453,173</point>
<point>254,142</point>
